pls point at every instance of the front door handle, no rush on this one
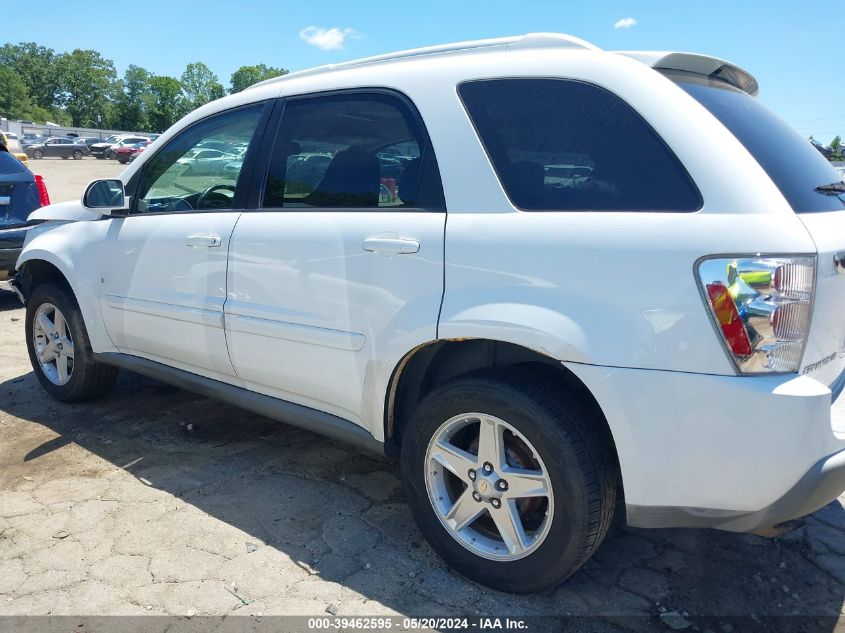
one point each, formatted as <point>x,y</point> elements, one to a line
<point>203,239</point>
<point>391,245</point>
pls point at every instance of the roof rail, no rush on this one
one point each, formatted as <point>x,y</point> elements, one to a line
<point>516,42</point>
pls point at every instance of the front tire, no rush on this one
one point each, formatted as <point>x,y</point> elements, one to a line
<point>59,348</point>
<point>38,154</point>
<point>508,480</point>
<point>77,154</point>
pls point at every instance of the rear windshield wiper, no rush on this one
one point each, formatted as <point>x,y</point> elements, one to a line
<point>833,189</point>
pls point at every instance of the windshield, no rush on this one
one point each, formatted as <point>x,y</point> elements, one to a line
<point>793,164</point>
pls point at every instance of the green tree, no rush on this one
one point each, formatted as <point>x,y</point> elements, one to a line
<point>836,145</point>
<point>14,96</point>
<point>15,102</point>
<point>200,85</point>
<point>86,79</point>
<point>167,103</point>
<point>36,67</point>
<point>246,76</point>
<point>133,99</point>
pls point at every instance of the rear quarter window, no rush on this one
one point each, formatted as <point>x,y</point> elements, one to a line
<point>566,145</point>
<point>793,164</point>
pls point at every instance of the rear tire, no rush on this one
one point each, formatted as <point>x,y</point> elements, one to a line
<point>59,348</point>
<point>555,526</point>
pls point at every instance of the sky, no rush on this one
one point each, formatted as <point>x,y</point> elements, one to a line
<point>796,50</point>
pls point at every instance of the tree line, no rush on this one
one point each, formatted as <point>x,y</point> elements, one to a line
<point>81,88</point>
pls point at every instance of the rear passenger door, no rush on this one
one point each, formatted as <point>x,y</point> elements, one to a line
<point>337,269</point>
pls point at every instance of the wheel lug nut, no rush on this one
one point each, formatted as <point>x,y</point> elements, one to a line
<point>502,484</point>
<point>488,467</point>
<point>496,503</point>
<point>472,475</point>
<point>476,496</point>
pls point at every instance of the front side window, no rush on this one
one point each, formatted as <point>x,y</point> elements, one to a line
<point>351,151</point>
<point>182,177</point>
<point>565,145</point>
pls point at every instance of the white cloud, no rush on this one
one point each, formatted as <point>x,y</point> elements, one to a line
<point>625,23</point>
<point>326,39</point>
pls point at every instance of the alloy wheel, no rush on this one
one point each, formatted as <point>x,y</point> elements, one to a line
<point>53,344</point>
<point>489,487</point>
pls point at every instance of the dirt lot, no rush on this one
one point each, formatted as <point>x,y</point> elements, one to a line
<point>155,501</point>
<point>66,179</point>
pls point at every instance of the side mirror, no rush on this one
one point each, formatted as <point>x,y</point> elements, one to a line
<point>106,196</point>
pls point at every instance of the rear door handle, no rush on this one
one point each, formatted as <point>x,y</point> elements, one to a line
<point>391,245</point>
<point>203,239</point>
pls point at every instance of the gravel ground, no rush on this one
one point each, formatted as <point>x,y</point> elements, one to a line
<point>66,179</point>
<point>152,500</point>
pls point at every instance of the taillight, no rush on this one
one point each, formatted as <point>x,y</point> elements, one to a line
<point>733,329</point>
<point>43,196</point>
<point>761,306</point>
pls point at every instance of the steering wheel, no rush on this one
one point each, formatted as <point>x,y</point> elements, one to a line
<point>213,189</point>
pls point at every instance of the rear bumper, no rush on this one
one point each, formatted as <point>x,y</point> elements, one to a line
<point>729,452</point>
<point>820,485</point>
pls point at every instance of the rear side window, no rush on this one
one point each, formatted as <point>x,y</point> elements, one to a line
<point>564,145</point>
<point>793,164</point>
<point>355,150</point>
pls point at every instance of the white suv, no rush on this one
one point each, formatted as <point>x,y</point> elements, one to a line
<point>539,272</point>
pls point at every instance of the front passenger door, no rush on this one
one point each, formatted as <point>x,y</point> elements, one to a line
<point>163,267</point>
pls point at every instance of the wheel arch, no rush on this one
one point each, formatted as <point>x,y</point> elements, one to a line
<point>434,363</point>
<point>38,267</point>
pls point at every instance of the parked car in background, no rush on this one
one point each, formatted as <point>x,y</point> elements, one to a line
<point>127,153</point>
<point>111,151</point>
<point>21,193</point>
<point>32,139</point>
<point>14,146</point>
<point>135,153</point>
<point>98,149</point>
<point>825,151</point>
<point>203,161</point>
<point>106,148</point>
<point>88,141</point>
<point>57,147</point>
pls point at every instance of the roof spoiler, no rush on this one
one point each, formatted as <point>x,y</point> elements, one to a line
<point>699,65</point>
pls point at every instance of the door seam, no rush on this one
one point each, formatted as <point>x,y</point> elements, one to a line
<point>226,298</point>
